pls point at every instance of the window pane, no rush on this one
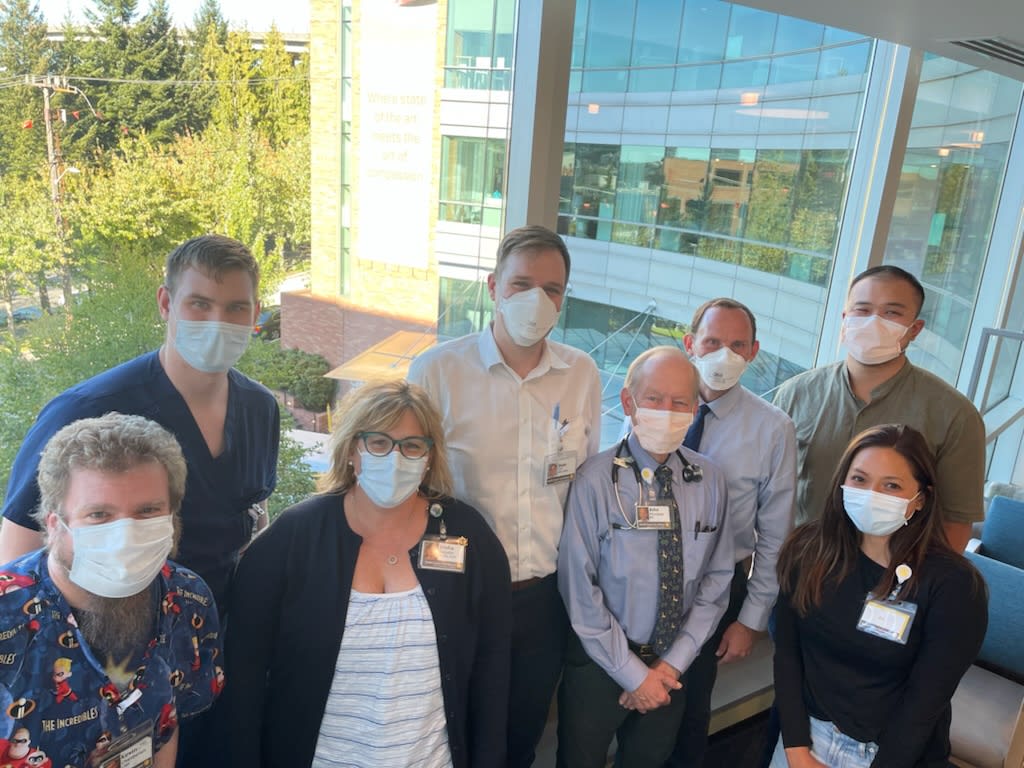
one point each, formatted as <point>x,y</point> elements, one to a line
<point>657,32</point>
<point>942,219</point>
<point>651,80</point>
<point>751,32</point>
<point>797,35</point>
<point>638,188</point>
<point>610,80</point>
<point>705,26</point>
<point>745,74</point>
<point>801,68</point>
<point>609,33</point>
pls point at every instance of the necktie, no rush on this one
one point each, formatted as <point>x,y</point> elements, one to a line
<point>696,430</point>
<point>670,571</point>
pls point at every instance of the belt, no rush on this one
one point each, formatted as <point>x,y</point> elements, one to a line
<point>527,583</point>
<point>645,651</point>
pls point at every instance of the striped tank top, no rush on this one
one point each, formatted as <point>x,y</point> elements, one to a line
<point>385,707</point>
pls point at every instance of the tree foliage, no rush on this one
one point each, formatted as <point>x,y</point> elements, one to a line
<point>193,131</point>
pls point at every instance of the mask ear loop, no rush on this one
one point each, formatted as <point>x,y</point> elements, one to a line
<point>912,514</point>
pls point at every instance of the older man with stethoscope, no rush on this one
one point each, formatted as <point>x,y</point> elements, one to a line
<point>644,567</point>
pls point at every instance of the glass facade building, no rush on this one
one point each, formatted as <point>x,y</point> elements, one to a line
<point>712,149</point>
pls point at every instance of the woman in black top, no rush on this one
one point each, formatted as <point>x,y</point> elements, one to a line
<point>866,679</point>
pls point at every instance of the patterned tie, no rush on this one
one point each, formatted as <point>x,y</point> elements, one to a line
<point>696,430</point>
<point>670,571</point>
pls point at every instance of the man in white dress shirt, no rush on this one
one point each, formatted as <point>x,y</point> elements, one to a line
<point>755,443</point>
<point>514,404</point>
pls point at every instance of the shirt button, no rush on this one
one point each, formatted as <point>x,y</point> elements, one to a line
<point>448,677</point>
<point>430,590</point>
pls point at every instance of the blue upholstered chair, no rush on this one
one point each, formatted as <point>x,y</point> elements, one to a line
<point>988,707</point>
<point>1002,536</point>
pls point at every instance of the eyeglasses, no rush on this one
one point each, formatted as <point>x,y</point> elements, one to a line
<point>381,444</point>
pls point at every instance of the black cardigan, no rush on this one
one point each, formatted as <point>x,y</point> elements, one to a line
<point>288,607</point>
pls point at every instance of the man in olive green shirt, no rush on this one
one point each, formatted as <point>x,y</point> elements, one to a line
<point>876,384</point>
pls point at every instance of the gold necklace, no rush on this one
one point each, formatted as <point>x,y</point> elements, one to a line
<point>388,550</point>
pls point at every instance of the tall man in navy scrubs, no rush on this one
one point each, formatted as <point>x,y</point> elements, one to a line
<point>228,425</point>
<point>514,403</point>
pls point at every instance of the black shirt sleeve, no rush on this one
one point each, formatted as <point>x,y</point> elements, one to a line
<point>789,676</point>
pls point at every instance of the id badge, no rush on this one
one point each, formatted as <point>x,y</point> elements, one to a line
<point>132,749</point>
<point>654,517</point>
<point>888,620</point>
<point>559,467</point>
<point>443,554</point>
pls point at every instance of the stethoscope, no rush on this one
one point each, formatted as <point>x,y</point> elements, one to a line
<point>692,473</point>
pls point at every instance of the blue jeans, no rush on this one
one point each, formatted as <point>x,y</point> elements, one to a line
<point>832,747</point>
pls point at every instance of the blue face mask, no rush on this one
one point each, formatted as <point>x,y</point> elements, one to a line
<point>389,480</point>
<point>873,513</point>
<point>209,346</point>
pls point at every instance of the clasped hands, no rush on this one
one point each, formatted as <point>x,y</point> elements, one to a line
<point>653,692</point>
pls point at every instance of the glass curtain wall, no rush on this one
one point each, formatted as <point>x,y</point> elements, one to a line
<point>948,192</point>
<point>478,50</point>
<point>772,104</point>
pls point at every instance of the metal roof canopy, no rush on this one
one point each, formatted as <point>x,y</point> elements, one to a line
<point>387,359</point>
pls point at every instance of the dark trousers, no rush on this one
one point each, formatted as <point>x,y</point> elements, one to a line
<point>589,715</point>
<point>539,628</point>
<point>692,739</point>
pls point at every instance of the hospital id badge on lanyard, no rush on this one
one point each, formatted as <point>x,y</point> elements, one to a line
<point>890,619</point>
<point>559,464</point>
<point>132,749</point>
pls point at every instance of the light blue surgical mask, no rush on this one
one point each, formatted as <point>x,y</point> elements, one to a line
<point>389,480</point>
<point>210,346</point>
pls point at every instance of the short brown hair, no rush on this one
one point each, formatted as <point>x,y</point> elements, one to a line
<point>723,303</point>
<point>212,255</point>
<point>532,237</point>
<point>376,407</point>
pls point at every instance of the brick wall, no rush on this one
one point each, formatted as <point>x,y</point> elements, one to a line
<point>335,329</point>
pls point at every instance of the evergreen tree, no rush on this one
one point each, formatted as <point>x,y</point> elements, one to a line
<point>23,51</point>
<point>128,59</point>
<point>206,42</point>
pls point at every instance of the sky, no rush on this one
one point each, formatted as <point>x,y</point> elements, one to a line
<point>255,15</point>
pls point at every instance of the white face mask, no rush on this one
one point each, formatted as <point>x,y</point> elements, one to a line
<point>210,346</point>
<point>661,431</point>
<point>390,480</point>
<point>120,559</point>
<point>720,370</point>
<point>873,340</point>
<point>528,316</point>
<point>877,514</point>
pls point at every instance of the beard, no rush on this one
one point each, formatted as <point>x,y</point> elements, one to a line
<point>118,627</point>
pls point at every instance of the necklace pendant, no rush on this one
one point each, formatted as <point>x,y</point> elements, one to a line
<point>392,560</point>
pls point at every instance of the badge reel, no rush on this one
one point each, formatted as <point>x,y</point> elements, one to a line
<point>132,749</point>
<point>441,552</point>
<point>559,464</point>
<point>654,514</point>
<point>890,619</point>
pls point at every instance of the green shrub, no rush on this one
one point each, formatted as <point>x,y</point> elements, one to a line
<point>298,373</point>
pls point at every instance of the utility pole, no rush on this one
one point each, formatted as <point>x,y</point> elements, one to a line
<point>50,84</point>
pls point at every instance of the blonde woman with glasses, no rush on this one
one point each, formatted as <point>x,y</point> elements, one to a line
<point>371,624</point>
